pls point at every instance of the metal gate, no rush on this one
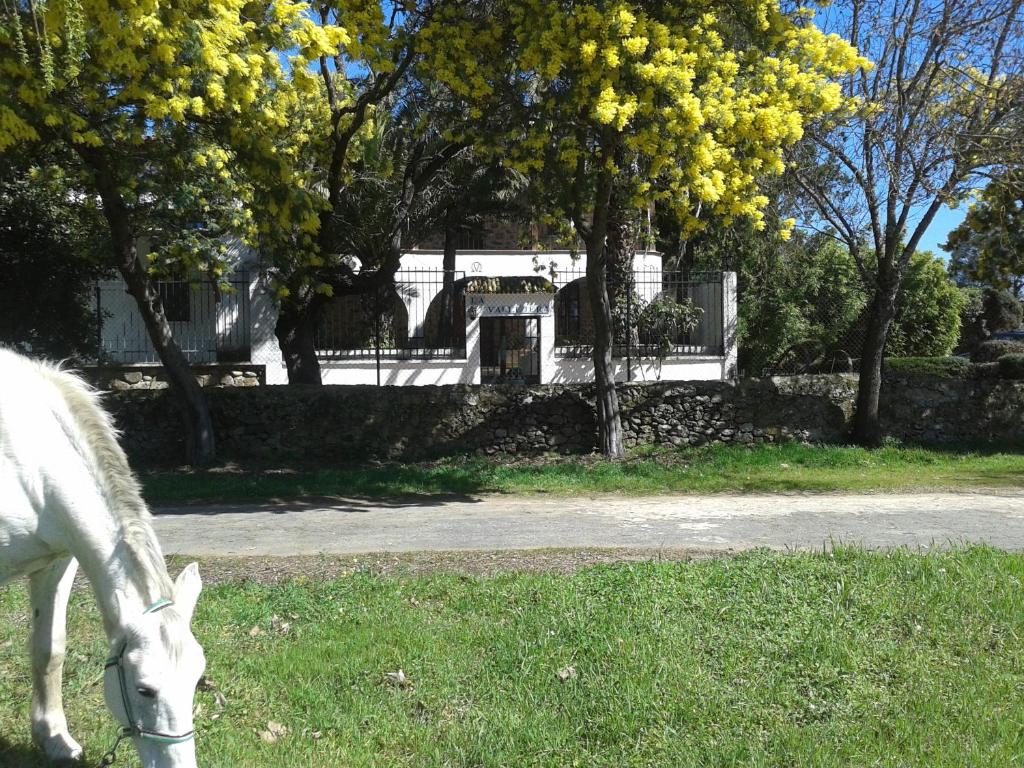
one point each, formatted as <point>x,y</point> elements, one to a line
<point>510,350</point>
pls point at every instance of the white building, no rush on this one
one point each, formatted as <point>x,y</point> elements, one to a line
<point>502,316</point>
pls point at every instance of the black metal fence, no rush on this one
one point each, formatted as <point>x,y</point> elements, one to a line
<point>633,336</point>
<point>421,317</point>
<point>510,350</point>
<point>209,323</point>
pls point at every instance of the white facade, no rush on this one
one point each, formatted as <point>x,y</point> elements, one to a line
<point>490,263</point>
<point>216,330</point>
<point>554,364</point>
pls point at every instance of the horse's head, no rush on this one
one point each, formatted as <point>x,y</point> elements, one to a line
<point>152,673</point>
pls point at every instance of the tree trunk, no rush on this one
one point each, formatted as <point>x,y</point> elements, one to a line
<point>200,447</point>
<point>620,250</point>
<point>867,428</point>
<point>608,418</point>
<point>295,331</point>
<point>447,319</point>
<point>595,236</point>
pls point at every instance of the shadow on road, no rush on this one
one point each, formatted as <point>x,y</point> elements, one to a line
<point>342,505</point>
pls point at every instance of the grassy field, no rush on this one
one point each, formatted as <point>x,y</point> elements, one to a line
<point>716,469</point>
<point>848,659</point>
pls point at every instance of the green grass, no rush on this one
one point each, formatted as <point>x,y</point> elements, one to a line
<point>848,659</point>
<point>790,467</point>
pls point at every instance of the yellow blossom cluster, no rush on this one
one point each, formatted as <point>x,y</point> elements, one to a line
<point>686,103</point>
<point>229,82</point>
<point>666,94</point>
<point>154,60</point>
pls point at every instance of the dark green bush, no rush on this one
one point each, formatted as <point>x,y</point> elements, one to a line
<point>972,320</point>
<point>1002,311</point>
<point>986,370</point>
<point>1011,366</point>
<point>990,351</point>
<point>946,367</point>
<point>927,322</point>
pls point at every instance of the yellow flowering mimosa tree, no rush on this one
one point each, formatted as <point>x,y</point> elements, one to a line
<point>141,98</point>
<point>618,104</point>
<point>365,144</point>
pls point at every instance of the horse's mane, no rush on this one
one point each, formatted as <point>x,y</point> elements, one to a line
<point>95,438</point>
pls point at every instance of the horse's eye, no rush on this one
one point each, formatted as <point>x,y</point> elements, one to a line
<point>148,693</point>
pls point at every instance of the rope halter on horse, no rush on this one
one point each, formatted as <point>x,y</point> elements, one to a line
<point>136,729</point>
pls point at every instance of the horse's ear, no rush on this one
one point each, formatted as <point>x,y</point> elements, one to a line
<point>187,587</point>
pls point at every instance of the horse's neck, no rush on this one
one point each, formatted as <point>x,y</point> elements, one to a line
<point>79,484</point>
<point>128,561</point>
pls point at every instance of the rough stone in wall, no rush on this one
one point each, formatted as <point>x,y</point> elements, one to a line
<point>337,424</point>
<point>125,377</point>
<point>939,410</point>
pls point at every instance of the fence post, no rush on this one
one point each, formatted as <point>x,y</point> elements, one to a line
<point>629,329</point>
<point>376,340</point>
<point>729,327</point>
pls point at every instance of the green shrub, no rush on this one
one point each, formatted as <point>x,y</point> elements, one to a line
<point>927,321</point>
<point>972,320</point>
<point>1011,366</point>
<point>946,367</point>
<point>664,320</point>
<point>990,351</point>
<point>1002,311</point>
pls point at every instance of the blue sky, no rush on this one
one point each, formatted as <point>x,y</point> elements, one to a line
<point>835,18</point>
<point>945,220</point>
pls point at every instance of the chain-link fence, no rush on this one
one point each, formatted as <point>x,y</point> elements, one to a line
<point>797,340</point>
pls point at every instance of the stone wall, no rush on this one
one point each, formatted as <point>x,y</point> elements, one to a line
<point>359,423</point>
<point>124,377</point>
<point>937,410</point>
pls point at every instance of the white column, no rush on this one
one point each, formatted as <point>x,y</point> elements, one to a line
<point>471,375</point>
<point>730,314</point>
<point>264,349</point>
<point>547,343</point>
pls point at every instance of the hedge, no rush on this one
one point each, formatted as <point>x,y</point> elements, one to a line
<point>992,350</point>
<point>944,367</point>
<point>1011,366</point>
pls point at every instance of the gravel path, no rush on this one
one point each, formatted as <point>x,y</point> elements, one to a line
<point>706,524</point>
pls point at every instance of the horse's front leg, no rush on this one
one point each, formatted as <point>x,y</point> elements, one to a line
<point>49,590</point>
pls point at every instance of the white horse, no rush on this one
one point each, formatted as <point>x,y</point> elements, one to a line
<point>67,496</point>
